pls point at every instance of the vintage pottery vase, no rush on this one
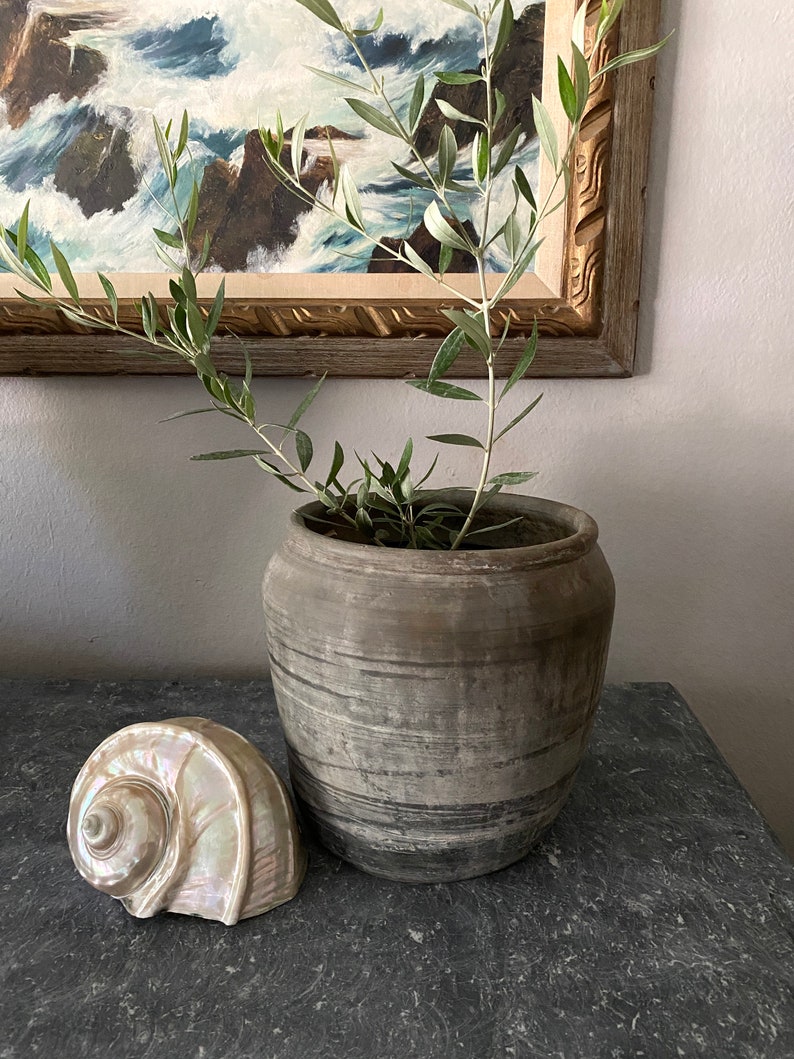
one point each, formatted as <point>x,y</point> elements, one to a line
<point>436,705</point>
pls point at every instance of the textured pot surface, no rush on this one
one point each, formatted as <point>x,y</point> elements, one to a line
<point>436,705</point>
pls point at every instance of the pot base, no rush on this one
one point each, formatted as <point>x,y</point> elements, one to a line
<point>422,845</point>
<point>421,866</point>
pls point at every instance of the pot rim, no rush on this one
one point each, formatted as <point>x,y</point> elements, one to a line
<point>581,538</point>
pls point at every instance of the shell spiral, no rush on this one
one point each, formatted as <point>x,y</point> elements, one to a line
<point>187,816</point>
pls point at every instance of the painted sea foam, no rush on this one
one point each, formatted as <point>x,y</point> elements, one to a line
<point>232,64</point>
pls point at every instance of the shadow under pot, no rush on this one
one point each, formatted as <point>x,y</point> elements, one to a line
<point>436,705</point>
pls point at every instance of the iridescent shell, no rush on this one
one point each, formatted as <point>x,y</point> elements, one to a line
<point>186,816</point>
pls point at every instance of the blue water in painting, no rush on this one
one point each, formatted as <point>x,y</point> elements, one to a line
<point>193,49</point>
<point>220,143</point>
<point>232,66</point>
<point>397,49</point>
<point>38,240</point>
<point>25,161</point>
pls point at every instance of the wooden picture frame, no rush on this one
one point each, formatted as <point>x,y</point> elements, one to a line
<point>584,292</point>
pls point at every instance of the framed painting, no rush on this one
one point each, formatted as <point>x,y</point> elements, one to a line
<point>81,79</point>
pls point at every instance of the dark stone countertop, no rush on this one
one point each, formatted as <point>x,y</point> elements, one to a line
<point>654,921</point>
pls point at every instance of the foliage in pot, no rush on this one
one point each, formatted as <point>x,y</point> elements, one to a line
<point>511,661</point>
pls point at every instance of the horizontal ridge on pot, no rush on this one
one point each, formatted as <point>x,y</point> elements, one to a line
<point>436,705</point>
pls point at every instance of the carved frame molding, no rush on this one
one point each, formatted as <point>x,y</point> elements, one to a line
<point>587,329</point>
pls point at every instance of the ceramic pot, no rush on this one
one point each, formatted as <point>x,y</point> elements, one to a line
<point>436,705</point>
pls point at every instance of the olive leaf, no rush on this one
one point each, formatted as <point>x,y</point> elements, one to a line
<point>305,403</point>
<point>447,354</point>
<point>341,82</point>
<point>414,178</point>
<point>456,439</point>
<point>417,102</point>
<point>567,91</point>
<point>608,16</point>
<point>65,272</point>
<point>521,415</point>
<point>352,200</point>
<point>450,77</point>
<point>230,454</point>
<point>416,261</point>
<point>524,362</point>
<point>630,57</point>
<point>547,134</point>
<point>513,478</point>
<point>304,449</point>
<point>523,186</point>
<point>460,4</point>
<point>441,230</point>
<point>456,115</point>
<point>480,153</point>
<point>506,150</point>
<point>447,154</point>
<point>472,327</point>
<point>110,294</point>
<point>506,24</point>
<point>444,389</point>
<point>582,78</point>
<point>296,145</point>
<point>324,11</point>
<point>373,117</point>
<point>22,233</point>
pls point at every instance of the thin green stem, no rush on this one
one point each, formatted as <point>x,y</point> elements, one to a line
<point>116,328</point>
<point>486,304</point>
<point>489,131</point>
<point>486,461</point>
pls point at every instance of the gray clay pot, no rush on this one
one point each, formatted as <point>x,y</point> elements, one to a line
<point>436,705</point>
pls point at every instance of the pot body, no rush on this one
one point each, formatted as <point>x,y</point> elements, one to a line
<point>436,705</point>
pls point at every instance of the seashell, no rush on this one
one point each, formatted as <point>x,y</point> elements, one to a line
<point>185,816</point>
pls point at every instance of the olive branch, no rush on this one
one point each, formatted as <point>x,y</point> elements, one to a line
<point>383,505</point>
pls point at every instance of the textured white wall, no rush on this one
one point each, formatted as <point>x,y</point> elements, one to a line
<point>120,558</point>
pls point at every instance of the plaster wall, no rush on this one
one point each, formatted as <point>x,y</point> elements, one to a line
<point>120,558</point>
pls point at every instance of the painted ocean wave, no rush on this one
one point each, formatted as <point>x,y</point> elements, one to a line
<point>197,48</point>
<point>26,161</point>
<point>231,66</point>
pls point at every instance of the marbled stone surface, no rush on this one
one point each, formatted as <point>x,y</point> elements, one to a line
<point>656,920</point>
